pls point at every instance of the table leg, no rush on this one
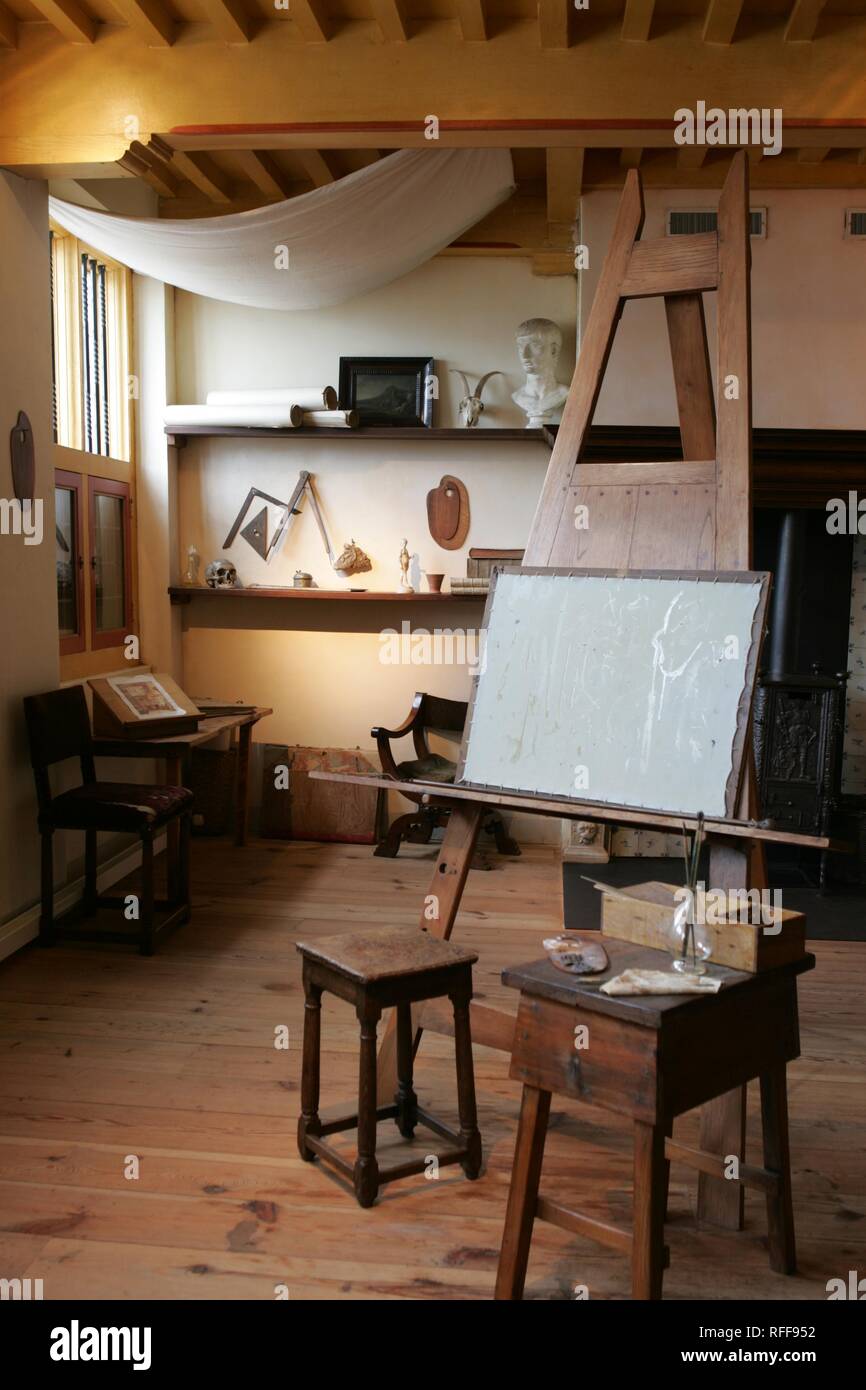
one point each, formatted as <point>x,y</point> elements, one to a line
<point>245,734</point>
<point>438,915</point>
<point>650,1191</point>
<point>407,1101</point>
<point>780,1209</point>
<point>176,769</point>
<point>308,1120</point>
<point>469,1134</point>
<point>366,1175</point>
<point>523,1193</point>
<point>723,1131</point>
<point>733,864</point>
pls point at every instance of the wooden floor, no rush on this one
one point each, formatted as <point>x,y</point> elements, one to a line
<point>105,1055</point>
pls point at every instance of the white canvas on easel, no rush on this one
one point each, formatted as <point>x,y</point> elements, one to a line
<point>632,689</point>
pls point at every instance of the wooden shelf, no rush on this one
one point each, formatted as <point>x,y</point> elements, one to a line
<point>179,437</point>
<point>183,594</point>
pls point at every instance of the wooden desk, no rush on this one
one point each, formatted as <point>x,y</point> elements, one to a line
<point>177,752</point>
<point>648,1057</point>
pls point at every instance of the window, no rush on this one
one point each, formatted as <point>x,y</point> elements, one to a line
<point>110,562</point>
<point>94,356</point>
<point>91,323</point>
<point>688,221</point>
<point>91,334</point>
<point>70,561</point>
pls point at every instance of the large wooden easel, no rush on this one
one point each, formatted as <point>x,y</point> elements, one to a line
<point>695,513</point>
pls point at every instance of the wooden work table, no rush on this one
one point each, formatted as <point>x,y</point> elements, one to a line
<point>649,1058</point>
<point>177,752</point>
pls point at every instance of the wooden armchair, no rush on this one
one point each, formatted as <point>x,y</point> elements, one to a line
<point>428,712</point>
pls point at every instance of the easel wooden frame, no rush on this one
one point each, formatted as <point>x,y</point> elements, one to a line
<point>694,513</point>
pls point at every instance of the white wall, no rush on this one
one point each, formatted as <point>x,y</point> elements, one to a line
<point>808,314</point>
<point>330,686</point>
<point>28,593</point>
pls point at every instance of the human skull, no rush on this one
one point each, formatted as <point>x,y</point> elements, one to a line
<point>221,574</point>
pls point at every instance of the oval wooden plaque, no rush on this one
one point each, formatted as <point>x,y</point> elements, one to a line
<point>448,513</point>
<point>23,461</point>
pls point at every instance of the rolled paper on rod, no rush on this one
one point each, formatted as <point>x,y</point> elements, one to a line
<point>274,417</point>
<point>307,397</point>
<point>331,419</point>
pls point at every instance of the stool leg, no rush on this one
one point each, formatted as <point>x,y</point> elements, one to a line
<point>650,1194</point>
<point>308,1120</point>
<point>523,1193</point>
<point>780,1210</point>
<point>90,902</point>
<point>407,1101</point>
<point>469,1135</point>
<point>46,919</point>
<point>145,900</point>
<point>183,895</point>
<point>366,1174</point>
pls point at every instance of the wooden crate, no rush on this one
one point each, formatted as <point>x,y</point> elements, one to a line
<point>311,810</point>
<point>643,914</point>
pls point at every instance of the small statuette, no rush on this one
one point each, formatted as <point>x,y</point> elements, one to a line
<point>352,560</point>
<point>405,586</point>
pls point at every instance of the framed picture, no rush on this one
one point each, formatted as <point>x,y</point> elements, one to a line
<point>394,391</point>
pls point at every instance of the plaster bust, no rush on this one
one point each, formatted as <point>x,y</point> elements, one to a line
<point>539,343</point>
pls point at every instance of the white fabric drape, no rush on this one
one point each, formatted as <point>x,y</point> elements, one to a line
<point>342,240</point>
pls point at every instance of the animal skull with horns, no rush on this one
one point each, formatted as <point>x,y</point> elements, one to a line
<point>471,405</point>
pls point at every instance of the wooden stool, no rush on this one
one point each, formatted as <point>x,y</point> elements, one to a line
<point>650,1057</point>
<point>376,970</point>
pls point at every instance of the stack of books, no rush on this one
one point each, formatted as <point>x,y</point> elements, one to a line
<point>479,567</point>
<point>463,585</point>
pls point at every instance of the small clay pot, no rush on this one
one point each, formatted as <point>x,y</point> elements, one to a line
<point>434,582</point>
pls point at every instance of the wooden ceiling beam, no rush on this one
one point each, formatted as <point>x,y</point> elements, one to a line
<point>473,20</point>
<point>721,20</point>
<point>553,23</point>
<point>207,177</point>
<point>312,19</point>
<point>230,20</point>
<point>68,19</point>
<point>318,166</point>
<point>262,169</point>
<point>637,20</point>
<point>134,164</point>
<point>804,20</point>
<point>8,28</point>
<point>564,171</point>
<point>391,20</point>
<point>149,19</point>
<point>163,179</point>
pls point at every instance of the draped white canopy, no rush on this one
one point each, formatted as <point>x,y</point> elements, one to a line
<point>342,240</point>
